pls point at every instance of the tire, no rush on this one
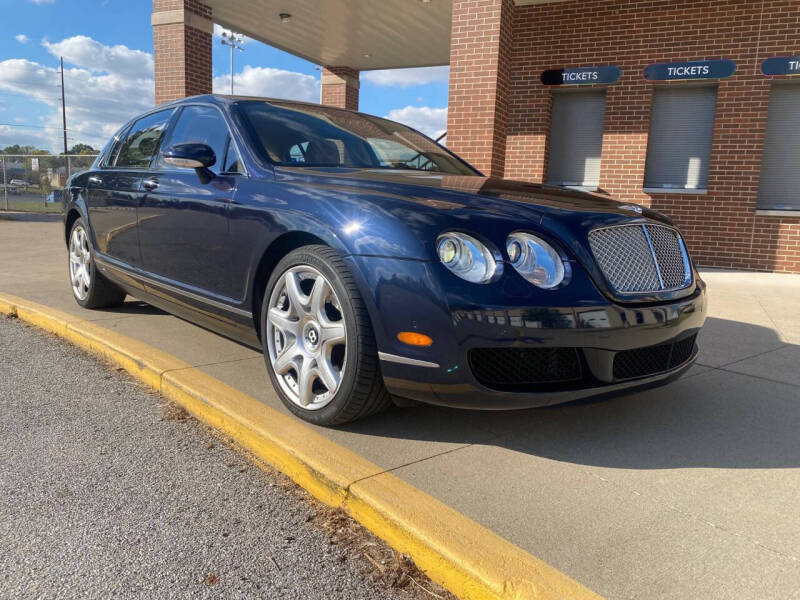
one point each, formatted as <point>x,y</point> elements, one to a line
<point>89,287</point>
<point>311,304</point>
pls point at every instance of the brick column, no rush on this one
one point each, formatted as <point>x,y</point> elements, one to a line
<point>340,87</point>
<point>181,48</point>
<point>480,63</point>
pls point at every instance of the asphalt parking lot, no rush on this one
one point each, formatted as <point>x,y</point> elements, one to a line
<point>107,490</point>
<point>686,491</point>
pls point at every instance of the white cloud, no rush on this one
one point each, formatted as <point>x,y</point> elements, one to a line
<point>107,85</point>
<point>407,77</point>
<point>430,121</point>
<point>38,138</point>
<point>85,52</point>
<point>22,38</point>
<point>110,85</point>
<point>42,1</point>
<point>270,83</point>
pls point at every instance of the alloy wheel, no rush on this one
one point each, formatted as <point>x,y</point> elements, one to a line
<point>306,337</point>
<point>80,262</point>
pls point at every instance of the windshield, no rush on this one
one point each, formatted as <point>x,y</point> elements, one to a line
<point>295,135</point>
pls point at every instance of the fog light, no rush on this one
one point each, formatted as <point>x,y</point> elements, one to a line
<point>412,338</point>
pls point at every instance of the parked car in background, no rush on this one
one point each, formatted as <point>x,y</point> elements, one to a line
<point>370,263</point>
<point>19,182</point>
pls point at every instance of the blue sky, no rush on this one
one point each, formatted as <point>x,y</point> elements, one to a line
<point>107,47</point>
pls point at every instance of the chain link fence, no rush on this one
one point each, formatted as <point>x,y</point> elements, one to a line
<point>34,182</point>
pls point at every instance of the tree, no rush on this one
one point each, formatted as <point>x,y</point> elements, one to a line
<point>17,149</point>
<point>81,148</point>
<point>44,182</point>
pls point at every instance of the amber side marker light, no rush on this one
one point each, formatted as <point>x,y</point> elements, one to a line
<point>412,338</point>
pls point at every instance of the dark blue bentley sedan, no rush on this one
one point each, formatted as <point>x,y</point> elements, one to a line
<point>371,264</point>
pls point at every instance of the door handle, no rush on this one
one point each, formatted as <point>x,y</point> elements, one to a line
<point>95,180</point>
<point>150,184</point>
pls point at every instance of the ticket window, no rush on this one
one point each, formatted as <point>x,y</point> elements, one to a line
<point>679,144</point>
<point>779,187</point>
<point>576,138</point>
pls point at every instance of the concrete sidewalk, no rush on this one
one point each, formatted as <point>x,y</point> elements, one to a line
<point>688,491</point>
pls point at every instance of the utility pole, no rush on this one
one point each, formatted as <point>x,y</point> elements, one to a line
<point>235,41</point>
<point>63,106</point>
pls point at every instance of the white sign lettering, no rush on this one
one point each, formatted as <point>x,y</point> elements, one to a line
<point>688,71</point>
<point>569,76</point>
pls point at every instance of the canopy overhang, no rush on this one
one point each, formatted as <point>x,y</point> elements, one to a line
<point>361,34</point>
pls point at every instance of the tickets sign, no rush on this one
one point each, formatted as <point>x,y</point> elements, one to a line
<point>697,69</point>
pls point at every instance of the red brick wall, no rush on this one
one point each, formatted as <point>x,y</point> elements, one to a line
<point>722,228</point>
<point>181,53</point>
<point>341,95</point>
<point>480,74</point>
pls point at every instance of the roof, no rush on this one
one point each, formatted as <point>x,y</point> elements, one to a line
<point>362,34</point>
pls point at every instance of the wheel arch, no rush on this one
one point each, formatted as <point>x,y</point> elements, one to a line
<point>272,255</point>
<point>72,215</point>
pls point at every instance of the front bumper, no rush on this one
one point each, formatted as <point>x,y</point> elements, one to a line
<point>598,332</point>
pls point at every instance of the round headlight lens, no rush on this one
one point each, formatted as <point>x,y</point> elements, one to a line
<point>466,257</point>
<point>536,260</point>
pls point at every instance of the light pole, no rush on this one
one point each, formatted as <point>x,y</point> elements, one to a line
<point>63,106</point>
<point>235,41</point>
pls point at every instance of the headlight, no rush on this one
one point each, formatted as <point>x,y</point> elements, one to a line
<point>536,260</point>
<point>466,257</point>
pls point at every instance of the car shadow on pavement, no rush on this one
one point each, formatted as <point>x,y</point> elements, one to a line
<point>134,307</point>
<point>713,417</point>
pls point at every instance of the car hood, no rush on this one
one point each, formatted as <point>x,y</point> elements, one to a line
<point>446,193</point>
<point>398,213</point>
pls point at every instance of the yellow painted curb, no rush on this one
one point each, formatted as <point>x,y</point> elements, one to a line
<point>466,558</point>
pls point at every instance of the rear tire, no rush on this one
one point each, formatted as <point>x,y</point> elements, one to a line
<point>318,341</point>
<point>89,287</point>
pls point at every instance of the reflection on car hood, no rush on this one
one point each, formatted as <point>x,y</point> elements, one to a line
<point>442,192</point>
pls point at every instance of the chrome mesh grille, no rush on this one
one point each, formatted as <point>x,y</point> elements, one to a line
<point>670,256</point>
<point>641,258</point>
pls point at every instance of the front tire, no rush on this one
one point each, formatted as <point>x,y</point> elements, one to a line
<point>318,342</point>
<point>89,287</point>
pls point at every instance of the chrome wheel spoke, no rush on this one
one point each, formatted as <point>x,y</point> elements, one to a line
<point>332,333</point>
<point>297,298</point>
<point>327,374</point>
<point>283,321</point>
<point>305,384</point>
<point>319,294</point>
<point>288,360</point>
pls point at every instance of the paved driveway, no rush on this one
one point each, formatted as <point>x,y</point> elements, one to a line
<point>108,491</point>
<point>688,491</point>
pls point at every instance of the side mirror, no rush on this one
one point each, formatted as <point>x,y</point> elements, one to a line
<point>192,156</point>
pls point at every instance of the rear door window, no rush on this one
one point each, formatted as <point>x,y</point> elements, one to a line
<point>143,140</point>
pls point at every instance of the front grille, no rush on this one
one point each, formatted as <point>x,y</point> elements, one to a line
<point>638,259</point>
<point>510,368</point>
<point>642,362</point>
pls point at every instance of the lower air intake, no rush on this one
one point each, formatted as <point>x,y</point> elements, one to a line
<point>641,362</point>
<point>512,368</point>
